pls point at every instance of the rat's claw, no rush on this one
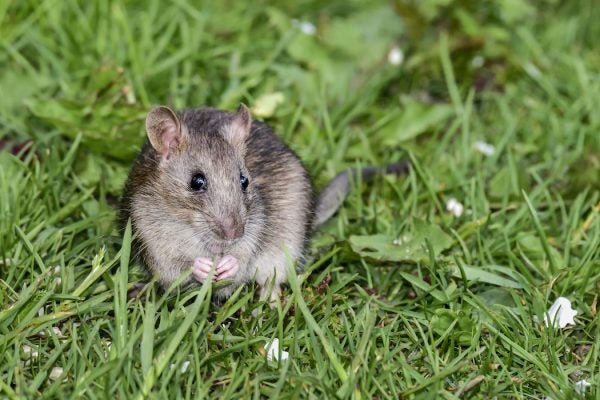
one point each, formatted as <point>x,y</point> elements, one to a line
<point>201,268</point>
<point>227,267</point>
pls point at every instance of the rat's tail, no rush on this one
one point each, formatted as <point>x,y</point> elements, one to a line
<point>333,195</point>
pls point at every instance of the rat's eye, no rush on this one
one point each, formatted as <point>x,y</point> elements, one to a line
<point>198,183</point>
<point>244,182</point>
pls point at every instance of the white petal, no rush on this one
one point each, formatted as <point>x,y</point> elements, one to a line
<point>184,366</point>
<point>272,349</point>
<point>308,28</point>
<point>396,56</point>
<point>485,148</point>
<point>581,386</point>
<point>560,313</point>
<point>55,373</point>
<point>455,207</point>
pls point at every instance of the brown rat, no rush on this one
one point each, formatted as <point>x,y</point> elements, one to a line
<point>215,185</point>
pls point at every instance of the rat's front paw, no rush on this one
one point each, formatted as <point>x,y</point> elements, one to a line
<point>201,268</point>
<point>227,267</point>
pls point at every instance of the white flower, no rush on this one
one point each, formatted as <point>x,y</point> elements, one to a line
<point>308,28</point>
<point>560,314</point>
<point>184,366</point>
<point>272,349</point>
<point>485,148</point>
<point>581,386</point>
<point>55,373</point>
<point>455,207</point>
<point>396,56</point>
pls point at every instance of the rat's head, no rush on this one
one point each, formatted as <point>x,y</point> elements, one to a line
<point>201,174</point>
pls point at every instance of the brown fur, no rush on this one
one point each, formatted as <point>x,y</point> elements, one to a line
<point>175,225</point>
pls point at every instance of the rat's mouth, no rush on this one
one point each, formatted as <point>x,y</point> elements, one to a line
<point>219,247</point>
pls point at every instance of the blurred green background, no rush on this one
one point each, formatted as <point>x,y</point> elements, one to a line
<point>313,69</point>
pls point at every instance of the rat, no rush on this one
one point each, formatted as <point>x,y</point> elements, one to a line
<point>213,189</point>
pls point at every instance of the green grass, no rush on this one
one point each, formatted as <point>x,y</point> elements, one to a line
<point>451,312</point>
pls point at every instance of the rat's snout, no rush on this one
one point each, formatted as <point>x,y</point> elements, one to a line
<point>231,228</point>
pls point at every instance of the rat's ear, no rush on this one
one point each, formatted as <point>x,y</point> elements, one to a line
<point>239,129</point>
<point>164,130</point>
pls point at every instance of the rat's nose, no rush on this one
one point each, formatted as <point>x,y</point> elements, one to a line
<point>230,229</point>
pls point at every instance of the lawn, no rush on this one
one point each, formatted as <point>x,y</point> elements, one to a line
<point>434,284</point>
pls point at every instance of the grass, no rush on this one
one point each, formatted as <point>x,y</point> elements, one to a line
<point>452,311</point>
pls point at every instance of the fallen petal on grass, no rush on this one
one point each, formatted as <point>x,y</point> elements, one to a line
<point>55,373</point>
<point>184,367</point>
<point>581,386</point>
<point>560,314</point>
<point>396,56</point>
<point>272,349</point>
<point>484,148</point>
<point>308,28</point>
<point>455,207</point>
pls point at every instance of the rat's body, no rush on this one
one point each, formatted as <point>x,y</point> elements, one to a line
<point>213,185</point>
